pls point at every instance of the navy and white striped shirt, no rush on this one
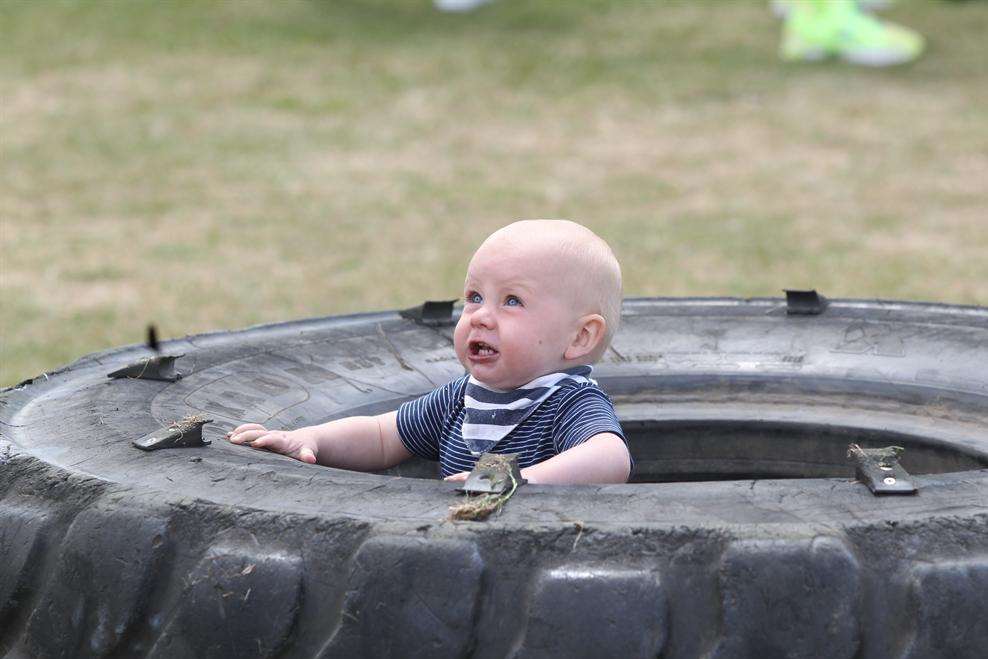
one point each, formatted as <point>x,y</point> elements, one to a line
<point>431,426</point>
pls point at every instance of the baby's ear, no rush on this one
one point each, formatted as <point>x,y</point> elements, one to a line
<point>588,337</point>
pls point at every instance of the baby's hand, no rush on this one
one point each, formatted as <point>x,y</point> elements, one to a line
<point>294,443</point>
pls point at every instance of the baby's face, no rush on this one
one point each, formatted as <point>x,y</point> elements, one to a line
<point>518,316</point>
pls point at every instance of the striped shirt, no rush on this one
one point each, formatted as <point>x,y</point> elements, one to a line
<point>431,426</point>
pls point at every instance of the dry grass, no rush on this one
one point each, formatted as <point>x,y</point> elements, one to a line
<point>215,165</point>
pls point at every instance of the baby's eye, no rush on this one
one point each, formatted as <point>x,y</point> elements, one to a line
<point>512,301</point>
<point>473,297</point>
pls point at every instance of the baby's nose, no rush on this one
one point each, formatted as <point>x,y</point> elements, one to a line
<point>482,317</point>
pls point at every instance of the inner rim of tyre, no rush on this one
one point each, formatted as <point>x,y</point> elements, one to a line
<point>677,450</point>
<point>696,450</point>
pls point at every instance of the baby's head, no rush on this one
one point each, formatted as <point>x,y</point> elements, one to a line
<point>540,296</point>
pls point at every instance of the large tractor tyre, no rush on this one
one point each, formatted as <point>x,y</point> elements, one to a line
<point>744,532</point>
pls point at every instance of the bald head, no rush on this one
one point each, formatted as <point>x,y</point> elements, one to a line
<point>576,257</point>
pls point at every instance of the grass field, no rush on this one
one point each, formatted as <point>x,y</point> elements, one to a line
<point>205,165</point>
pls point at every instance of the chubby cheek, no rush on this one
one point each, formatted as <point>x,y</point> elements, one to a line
<point>460,334</point>
<point>523,348</point>
<point>530,351</point>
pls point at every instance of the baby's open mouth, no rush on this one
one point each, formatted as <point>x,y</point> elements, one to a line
<point>481,349</point>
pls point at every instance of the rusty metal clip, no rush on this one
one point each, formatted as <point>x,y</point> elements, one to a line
<point>431,313</point>
<point>181,434</point>
<point>495,473</point>
<point>879,469</point>
<point>805,303</point>
<point>159,367</point>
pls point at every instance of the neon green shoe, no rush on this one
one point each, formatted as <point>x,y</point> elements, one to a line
<point>816,30</point>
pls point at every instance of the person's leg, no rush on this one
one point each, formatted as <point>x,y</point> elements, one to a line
<point>458,5</point>
<point>781,7</point>
<point>816,29</point>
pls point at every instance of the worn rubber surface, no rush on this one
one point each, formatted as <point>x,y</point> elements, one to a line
<point>226,551</point>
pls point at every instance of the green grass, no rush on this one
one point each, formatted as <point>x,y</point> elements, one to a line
<point>208,165</point>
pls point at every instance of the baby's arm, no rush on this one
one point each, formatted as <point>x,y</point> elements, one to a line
<point>363,443</point>
<point>603,458</point>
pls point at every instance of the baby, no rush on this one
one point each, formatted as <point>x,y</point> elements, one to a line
<point>542,300</point>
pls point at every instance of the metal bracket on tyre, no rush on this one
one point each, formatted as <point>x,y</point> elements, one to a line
<point>181,434</point>
<point>159,367</point>
<point>805,303</point>
<point>431,313</point>
<point>494,474</point>
<point>495,479</point>
<point>879,469</point>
